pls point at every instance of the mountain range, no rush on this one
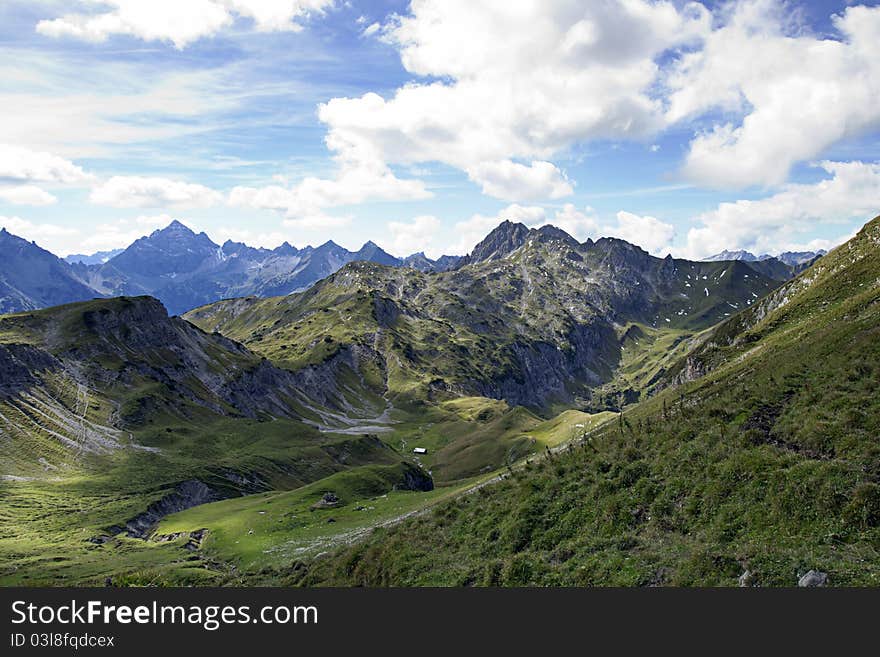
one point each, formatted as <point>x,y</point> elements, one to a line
<point>791,258</point>
<point>543,411</point>
<point>185,270</point>
<point>180,268</point>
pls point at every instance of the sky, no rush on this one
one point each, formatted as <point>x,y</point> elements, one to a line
<point>684,127</point>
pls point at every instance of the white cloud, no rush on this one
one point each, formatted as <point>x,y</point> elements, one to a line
<point>413,236</point>
<point>267,240</point>
<point>797,94</point>
<point>521,80</point>
<point>23,164</point>
<point>144,192</point>
<point>180,22</point>
<point>317,221</point>
<point>650,233</point>
<point>370,30</point>
<point>54,107</point>
<point>517,182</point>
<point>358,181</point>
<point>26,195</point>
<point>779,222</point>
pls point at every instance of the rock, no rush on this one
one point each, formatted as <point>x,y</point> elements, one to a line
<point>186,495</point>
<point>414,478</point>
<point>18,364</point>
<point>813,578</point>
<point>328,501</point>
<point>747,579</point>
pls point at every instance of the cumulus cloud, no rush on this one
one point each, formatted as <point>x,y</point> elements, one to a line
<point>358,180</point>
<point>26,195</point>
<point>25,165</point>
<point>371,29</point>
<point>797,94</point>
<point>524,81</point>
<point>146,192</point>
<point>513,181</point>
<point>407,237</point>
<point>515,81</point>
<point>180,23</point>
<point>780,221</point>
<point>650,233</point>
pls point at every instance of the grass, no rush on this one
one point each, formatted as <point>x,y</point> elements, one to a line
<point>769,463</point>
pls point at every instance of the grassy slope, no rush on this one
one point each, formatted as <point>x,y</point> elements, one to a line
<point>770,463</point>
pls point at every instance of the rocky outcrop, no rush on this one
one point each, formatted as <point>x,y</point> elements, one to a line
<point>506,238</point>
<point>414,478</point>
<point>186,495</point>
<point>19,364</point>
<point>543,372</point>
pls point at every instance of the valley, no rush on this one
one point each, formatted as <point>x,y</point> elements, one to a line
<point>585,413</point>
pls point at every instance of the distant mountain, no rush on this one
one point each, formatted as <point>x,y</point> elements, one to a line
<point>800,257</point>
<point>421,262</point>
<point>792,258</point>
<point>732,255</point>
<point>31,277</point>
<point>98,258</point>
<point>185,270</point>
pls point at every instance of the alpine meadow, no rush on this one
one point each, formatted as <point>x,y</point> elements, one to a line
<point>311,293</point>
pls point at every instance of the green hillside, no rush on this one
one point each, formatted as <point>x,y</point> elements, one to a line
<point>763,465</point>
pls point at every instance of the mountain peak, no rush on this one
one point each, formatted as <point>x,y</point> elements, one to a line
<point>733,255</point>
<point>506,238</point>
<point>375,253</point>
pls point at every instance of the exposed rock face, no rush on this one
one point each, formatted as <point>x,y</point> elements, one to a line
<point>186,495</point>
<point>18,365</point>
<point>414,478</point>
<point>545,372</point>
<point>506,238</point>
<point>693,369</point>
<point>747,579</point>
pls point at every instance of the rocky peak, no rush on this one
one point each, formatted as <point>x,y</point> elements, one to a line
<point>374,253</point>
<point>286,249</point>
<point>549,232</point>
<point>506,238</point>
<point>174,249</point>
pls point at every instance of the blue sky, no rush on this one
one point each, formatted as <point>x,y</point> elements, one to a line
<point>683,127</point>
